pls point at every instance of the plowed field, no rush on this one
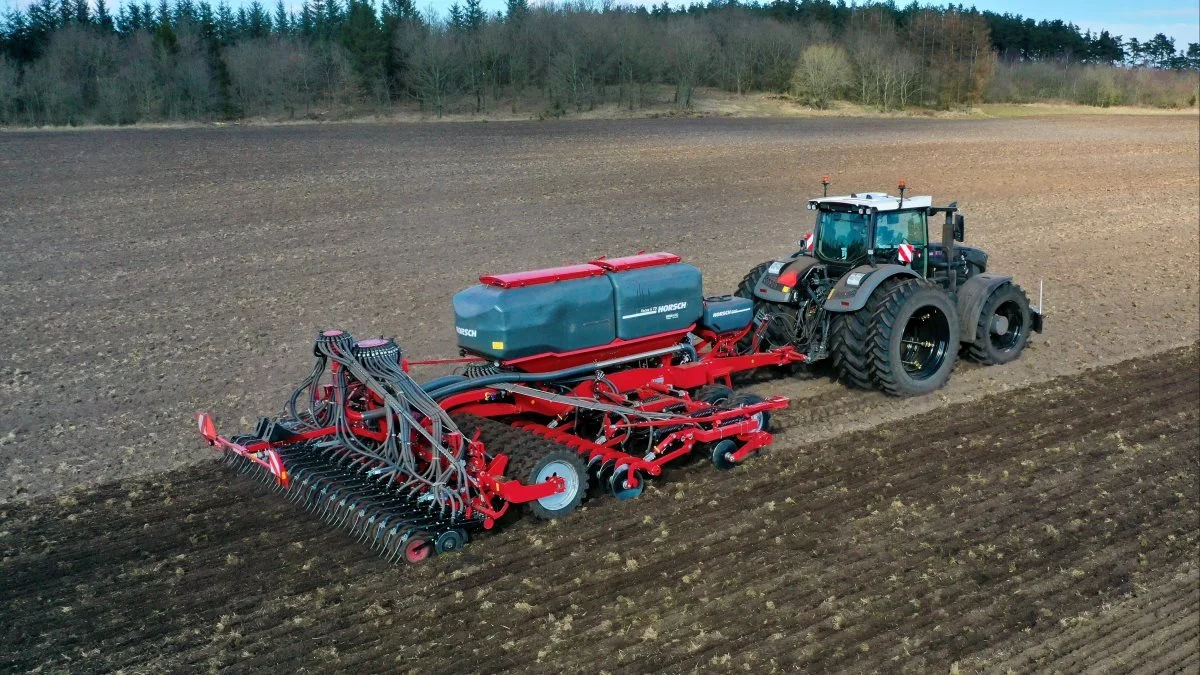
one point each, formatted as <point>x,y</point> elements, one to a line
<point>1053,526</point>
<point>148,274</point>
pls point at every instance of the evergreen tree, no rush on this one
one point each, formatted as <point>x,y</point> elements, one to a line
<point>306,23</point>
<point>282,21</point>
<point>227,27</point>
<point>365,42</point>
<point>516,10</point>
<point>103,18</point>
<point>473,16</point>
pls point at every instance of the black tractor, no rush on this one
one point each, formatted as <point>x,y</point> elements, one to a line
<point>886,306</point>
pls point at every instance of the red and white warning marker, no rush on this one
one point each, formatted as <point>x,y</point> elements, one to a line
<point>906,253</point>
<point>808,241</point>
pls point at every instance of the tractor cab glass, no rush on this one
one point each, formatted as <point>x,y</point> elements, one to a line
<point>841,236</point>
<point>899,227</point>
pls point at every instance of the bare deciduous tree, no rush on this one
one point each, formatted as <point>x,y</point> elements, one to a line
<point>822,75</point>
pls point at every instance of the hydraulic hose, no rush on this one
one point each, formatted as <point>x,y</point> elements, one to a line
<point>509,377</point>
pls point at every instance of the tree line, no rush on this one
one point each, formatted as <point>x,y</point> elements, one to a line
<point>81,61</point>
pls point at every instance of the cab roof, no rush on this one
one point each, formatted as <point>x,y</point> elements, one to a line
<point>879,201</point>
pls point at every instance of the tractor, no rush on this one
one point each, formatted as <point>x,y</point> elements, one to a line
<point>872,294</point>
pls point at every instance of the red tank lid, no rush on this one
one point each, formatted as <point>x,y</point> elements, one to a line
<point>634,262</point>
<point>533,277</point>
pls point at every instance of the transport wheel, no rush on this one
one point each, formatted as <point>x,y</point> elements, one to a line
<point>913,338</point>
<point>417,549</point>
<point>619,486</point>
<point>722,454</point>
<point>532,459</point>
<point>564,464</point>
<point>746,398</point>
<point>713,394</point>
<point>1003,328</point>
<point>450,541</point>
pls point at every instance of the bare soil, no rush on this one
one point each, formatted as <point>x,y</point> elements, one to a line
<point>1042,515</point>
<point>146,274</point>
<point>1051,527</point>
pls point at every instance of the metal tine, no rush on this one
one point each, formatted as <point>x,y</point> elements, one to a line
<point>371,495</point>
<point>362,521</point>
<point>400,533</point>
<point>384,513</point>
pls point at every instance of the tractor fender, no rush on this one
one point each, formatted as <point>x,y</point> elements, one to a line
<point>851,297</point>
<point>768,288</point>
<point>972,295</point>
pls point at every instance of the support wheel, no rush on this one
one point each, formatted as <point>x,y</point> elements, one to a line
<point>450,541</point>
<point>746,398</point>
<point>1003,328</point>
<point>913,339</point>
<point>722,454</point>
<point>564,464</point>
<point>417,549</point>
<point>713,394</point>
<point>619,484</point>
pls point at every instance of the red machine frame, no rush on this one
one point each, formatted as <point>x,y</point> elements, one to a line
<point>656,374</point>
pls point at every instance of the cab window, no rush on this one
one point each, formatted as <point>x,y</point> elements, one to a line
<point>904,227</point>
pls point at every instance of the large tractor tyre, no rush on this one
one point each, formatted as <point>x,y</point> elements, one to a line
<point>848,335</point>
<point>745,288</point>
<point>849,340</point>
<point>913,340</point>
<point>1003,328</point>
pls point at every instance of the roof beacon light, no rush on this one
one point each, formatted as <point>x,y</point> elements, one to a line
<point>902,186</point>
<point>824,186</point>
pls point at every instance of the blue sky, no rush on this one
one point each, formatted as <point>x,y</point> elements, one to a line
<point>1141,19</point>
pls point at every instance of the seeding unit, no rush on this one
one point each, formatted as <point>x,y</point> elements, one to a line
<point>601,372</point>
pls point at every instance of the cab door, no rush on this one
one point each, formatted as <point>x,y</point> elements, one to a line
<point>893,228</point>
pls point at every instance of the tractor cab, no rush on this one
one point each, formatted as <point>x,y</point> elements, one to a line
<point>853,229</point>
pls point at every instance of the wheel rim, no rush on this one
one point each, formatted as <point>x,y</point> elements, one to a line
<point>449,542</point>
<point>1007,326</point>
<point>924,342</point>
<point>620,490</point>
<point>566,472</point>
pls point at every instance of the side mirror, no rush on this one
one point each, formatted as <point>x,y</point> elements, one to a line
<point>959,227</point>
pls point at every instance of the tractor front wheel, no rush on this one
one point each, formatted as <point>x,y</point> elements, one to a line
<point>913,339</point>
<point>1003,327</point>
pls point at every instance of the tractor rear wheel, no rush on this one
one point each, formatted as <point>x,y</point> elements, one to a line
<point>848,335</point>
<point>913,338</point>
<point>1003,327</point>
<point>745,288</point>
